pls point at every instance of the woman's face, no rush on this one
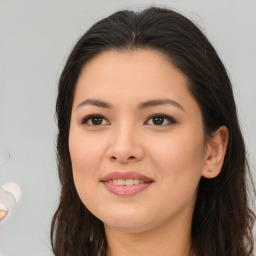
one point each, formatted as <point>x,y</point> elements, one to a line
<point>136,141</point>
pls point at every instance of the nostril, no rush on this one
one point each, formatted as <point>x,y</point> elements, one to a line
<point>123,159</point>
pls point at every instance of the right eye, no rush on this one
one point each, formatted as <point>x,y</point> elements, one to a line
<point>94,120</point>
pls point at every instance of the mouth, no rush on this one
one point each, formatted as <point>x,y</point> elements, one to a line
<point>126,183</point>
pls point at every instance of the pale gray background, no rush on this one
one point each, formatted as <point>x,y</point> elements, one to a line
<point>35,39</point>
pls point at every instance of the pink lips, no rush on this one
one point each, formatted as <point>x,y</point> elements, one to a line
<point>123,190</point>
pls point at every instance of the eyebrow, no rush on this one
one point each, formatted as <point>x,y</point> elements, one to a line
<point>157,102</point>
<point>94,102</point>
<point>146,104</point>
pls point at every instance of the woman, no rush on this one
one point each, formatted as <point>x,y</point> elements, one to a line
<point>150,153</point>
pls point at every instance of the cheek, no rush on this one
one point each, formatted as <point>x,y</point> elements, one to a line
<point>178,148</point>
<point>86,154</point>
<point>180,159</point>
<point>84,150</point>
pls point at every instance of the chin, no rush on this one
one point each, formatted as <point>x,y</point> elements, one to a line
<point>128,227</point>
<point>126,221</point>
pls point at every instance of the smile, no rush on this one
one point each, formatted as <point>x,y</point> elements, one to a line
<point>129,182</point>
<point>126,183</point>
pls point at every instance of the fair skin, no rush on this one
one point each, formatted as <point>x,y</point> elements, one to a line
<point>162,140</point>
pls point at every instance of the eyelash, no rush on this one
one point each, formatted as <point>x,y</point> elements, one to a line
<point>169,119</point>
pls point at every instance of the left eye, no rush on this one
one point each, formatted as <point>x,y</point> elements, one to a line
<point>160,120</point>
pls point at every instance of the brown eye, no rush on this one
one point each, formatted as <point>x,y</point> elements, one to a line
<point>94,120</point>
<point>160,120</point>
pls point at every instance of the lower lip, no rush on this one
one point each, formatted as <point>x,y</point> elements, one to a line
<point>126,190</point>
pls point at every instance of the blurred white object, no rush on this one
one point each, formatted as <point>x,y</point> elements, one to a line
<point>14,189</point>
<point>10,194</point>
<point>3,211</point>
<point>7,202</point>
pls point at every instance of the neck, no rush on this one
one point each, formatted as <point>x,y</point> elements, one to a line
<point>170,239</point>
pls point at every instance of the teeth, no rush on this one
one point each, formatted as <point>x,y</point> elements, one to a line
<point>120,182</point>
<point>137,182</point>
<point>128,182</point>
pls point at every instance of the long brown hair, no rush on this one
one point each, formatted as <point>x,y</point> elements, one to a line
<point>222,221</point>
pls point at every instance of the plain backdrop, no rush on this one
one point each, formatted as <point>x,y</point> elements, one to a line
<point>35,40</point>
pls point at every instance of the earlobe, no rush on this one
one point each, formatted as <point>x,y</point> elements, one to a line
<point>215,153</point>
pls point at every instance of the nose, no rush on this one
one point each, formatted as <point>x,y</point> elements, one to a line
<point>125,146</point>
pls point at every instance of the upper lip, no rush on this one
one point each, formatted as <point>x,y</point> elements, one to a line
<point>117,175</point>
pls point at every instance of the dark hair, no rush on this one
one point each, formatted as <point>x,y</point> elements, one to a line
<point>222,221</point>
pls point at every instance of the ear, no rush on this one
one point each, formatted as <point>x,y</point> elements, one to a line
<point>215,153</point>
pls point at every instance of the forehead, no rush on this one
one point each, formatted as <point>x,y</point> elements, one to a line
<point>130,60</point>
<point>147,71</point>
